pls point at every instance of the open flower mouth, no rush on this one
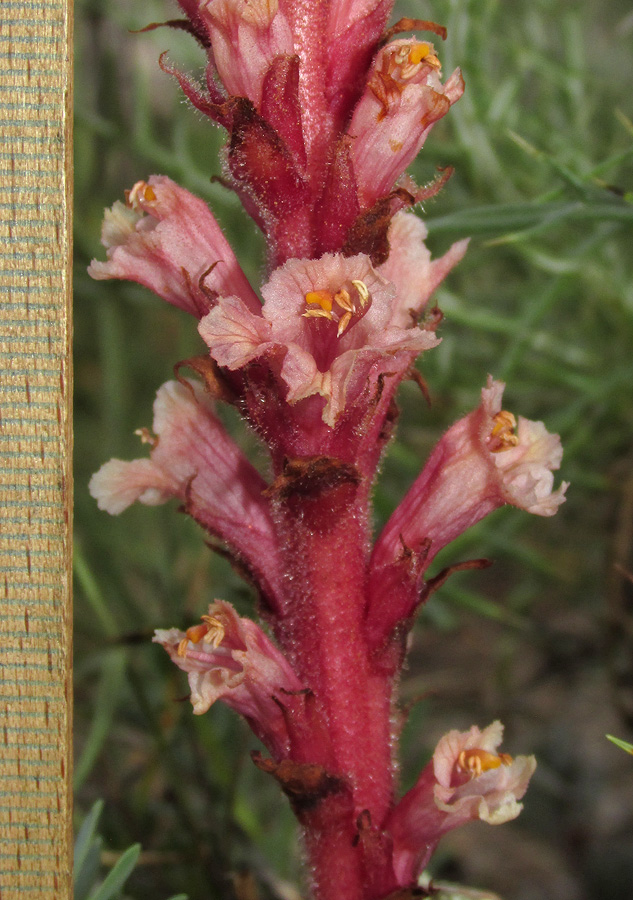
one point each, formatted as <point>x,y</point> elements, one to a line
<point>474,763</point>
<point>344,307</point>
<point>140,192</point>
<point>502,435</point>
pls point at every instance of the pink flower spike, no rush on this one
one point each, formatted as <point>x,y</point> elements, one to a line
<point>410,269</point>
<point>246,37</point>
<point>194,459</point>
<point>466,780</point>
<point>167,240</point>
<point>403,99</point>
<point>230,658</point>
<point>484,461</point>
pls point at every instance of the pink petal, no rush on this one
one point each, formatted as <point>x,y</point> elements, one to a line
<point>410,268</point>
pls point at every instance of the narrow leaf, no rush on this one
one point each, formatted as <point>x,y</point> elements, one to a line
<point>118,876</point>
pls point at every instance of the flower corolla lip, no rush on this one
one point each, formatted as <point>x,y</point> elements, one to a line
<point>485,460</point>
<point>411,270</point>
<point>325,323</point>
<point>491,794</point>
<point>194,459</point>
<point>524,468</point>
<point>167,239</point>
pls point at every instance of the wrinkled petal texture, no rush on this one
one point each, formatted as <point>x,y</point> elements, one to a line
<point>491,796</point>
<point>464,480</point>
<point>410,269</point>
<point>525,471</point>
<point>318,357</point>
<point>444,797</point>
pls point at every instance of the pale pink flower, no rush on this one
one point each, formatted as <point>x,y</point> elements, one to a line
<point>167,239</point>
<point>410,269</point>
<point>246,37</point>
<point>466,780</point>
<point>193,459</point>
<point>403,99</point>
<point>484,461</point>
<point>325,323</point>
<point>229,658</point>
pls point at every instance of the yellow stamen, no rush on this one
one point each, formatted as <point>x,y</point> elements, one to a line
<point>140,191</point>
<point>344,300</point>
<point>182,647</point>
<point>318,314</point>
<point>196,633</point>
<point>363,292</point>
<point>146,436</point>
<point>325,304</point>
<point>502,436</point>
<point>343,323</point>
<point>215,631</point>
<point>475,762</point>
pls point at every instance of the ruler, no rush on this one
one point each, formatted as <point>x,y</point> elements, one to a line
<point>35,450</point>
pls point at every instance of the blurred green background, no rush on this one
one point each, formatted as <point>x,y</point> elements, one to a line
<point>542,145</point>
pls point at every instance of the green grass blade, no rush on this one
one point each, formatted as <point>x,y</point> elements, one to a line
<point>116,878</point>
<point>623,745</point>
<point>85,838</point>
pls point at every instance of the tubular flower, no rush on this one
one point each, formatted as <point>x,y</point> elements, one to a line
<point>403,99</point>
<point>325,323</point>
<point>246,37</point>
<point>167,240</point>
<point>194,459</point>
<point>484,461</point>
<point>467,779</point>
<point>229,658</point>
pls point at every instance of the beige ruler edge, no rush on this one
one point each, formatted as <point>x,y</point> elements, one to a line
<point>35,450</point>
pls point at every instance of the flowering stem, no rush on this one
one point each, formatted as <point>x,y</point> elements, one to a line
<point>325,556</point>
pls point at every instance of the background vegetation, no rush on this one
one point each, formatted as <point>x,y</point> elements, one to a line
<point>542,144</point>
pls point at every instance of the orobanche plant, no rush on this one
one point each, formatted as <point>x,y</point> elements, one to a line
<point>324,107</point>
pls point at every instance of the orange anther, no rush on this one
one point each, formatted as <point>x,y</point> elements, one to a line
<point>320,298</point>
<point>418,52</point>
<point>502,435</point>
<point>196,633</point>
<point>475,762</point>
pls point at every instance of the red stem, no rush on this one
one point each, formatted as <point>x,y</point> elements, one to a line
<point>325,557</point>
